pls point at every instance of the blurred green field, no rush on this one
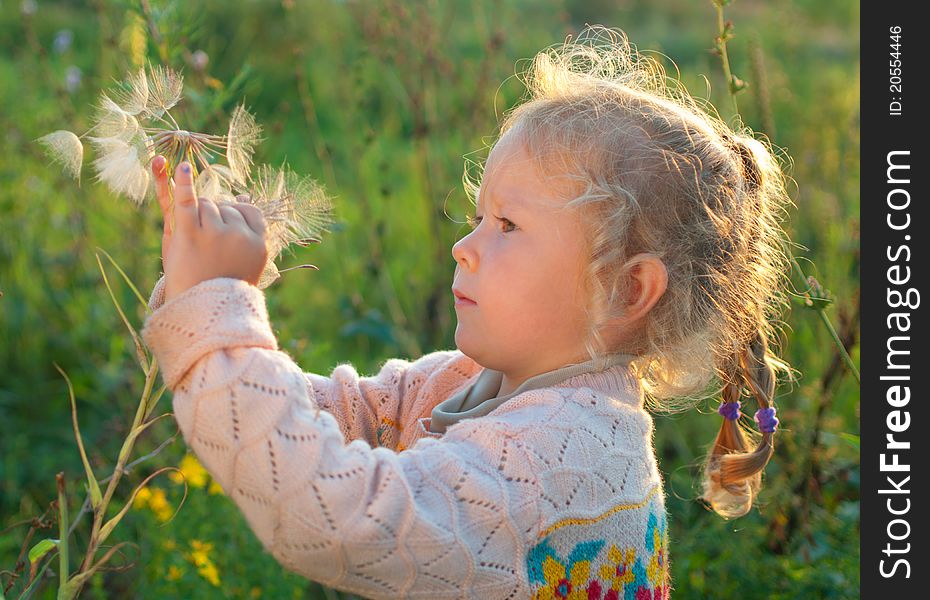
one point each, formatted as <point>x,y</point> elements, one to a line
<point>381,101</point>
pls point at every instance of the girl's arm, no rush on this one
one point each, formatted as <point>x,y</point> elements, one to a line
<point>443,516</point>
<point>377,409</point>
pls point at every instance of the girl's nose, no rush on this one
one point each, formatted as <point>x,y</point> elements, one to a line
<point>464,254</point>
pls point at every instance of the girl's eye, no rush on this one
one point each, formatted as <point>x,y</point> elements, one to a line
<point>473,222</point>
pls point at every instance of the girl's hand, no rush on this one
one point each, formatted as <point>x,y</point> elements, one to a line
<point>208,240</point>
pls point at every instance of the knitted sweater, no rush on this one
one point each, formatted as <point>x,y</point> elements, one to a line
<point>554,493</point>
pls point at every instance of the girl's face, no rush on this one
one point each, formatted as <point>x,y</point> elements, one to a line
<point>523,268</point>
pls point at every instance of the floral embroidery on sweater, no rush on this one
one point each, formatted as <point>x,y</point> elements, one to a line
<point>596,570</point>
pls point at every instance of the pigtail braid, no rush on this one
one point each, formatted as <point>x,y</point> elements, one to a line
<point>733,473</point>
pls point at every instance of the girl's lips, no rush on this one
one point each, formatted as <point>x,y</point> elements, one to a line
<point>461,299</point>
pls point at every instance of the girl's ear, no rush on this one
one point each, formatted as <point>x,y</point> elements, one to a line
<point>650,280</point>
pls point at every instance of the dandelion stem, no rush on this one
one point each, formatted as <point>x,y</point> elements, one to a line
<point>176,126</point>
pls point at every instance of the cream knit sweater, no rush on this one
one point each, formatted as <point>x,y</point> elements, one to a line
<point>555,493</point>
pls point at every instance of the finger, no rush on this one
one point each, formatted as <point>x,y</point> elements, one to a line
<point>210,217</point>
<point>230,215</point>
<point>187,214</point>
<point>252,215</point>
<point>161,188</point>
<point>165,245</point>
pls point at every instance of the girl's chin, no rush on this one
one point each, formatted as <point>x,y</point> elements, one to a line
<point>464,342</point>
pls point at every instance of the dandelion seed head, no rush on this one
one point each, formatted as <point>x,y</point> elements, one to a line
<point>241,140</point>
<point>65,147</point>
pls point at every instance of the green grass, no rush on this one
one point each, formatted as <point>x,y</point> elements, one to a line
<point>381,105</point>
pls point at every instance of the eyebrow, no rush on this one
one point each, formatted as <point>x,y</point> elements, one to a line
<point>512,204</point>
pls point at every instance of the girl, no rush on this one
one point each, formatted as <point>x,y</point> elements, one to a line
<point>625,251</point>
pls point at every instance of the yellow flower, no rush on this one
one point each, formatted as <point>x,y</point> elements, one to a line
<point>558,586</point>
<point>159,504</point>
<point>190,470</point>
<point>157,499</point>
<point>255,592</point>
<point>174,573</point>
<point>657,570</point>
<point>142,498</point>
<point>210,573</point>
<point>215,488</point>
<point>619,568</point>
<point>199,556</point>
<point>169,545</point>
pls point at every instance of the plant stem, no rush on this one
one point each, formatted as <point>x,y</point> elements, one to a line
<point>796,267</point>
<point>62,533</point>
<point>722,45</point>
<point>826,322</point>
<point>118,471</point>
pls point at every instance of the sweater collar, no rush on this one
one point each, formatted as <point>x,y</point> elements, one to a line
<point>481,397</point>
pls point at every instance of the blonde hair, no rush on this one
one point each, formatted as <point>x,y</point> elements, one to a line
<point>657,174</point>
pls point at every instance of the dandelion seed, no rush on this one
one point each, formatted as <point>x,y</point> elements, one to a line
<point>241,139</point>
<point>215,182</point>
<point>295,208</point>
<point>121,168</point>
<point>65,148</point>
<point>111,121</point>
<point>164,86</point>
<point>135,99</point>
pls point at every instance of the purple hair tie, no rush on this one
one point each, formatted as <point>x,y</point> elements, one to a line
<point>730,410</point>
<point>765,417</point>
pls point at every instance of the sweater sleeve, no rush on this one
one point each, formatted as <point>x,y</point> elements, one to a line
<point>375,409</point>
<point>158,294</point>
<point>445,515</point>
